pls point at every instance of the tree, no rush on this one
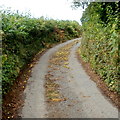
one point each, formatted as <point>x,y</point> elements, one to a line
<point>79,3</point>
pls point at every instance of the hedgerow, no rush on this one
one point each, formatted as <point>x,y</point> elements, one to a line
<point>101,40</point>
<point>23,36</point>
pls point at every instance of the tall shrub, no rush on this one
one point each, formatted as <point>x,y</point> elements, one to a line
<point>24,36</point>
<point>100,43</point>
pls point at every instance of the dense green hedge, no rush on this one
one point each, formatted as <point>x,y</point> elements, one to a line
<point>24,36</point>
<point>101,40</point>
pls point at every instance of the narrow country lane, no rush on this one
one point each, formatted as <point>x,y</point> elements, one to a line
<point>60,88</point>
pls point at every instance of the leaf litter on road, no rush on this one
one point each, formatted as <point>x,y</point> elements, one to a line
<point>59,59</point>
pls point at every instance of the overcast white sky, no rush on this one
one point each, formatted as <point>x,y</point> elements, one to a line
<point>56,9</point>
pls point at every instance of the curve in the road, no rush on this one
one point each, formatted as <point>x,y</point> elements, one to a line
<point>83,98</point>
